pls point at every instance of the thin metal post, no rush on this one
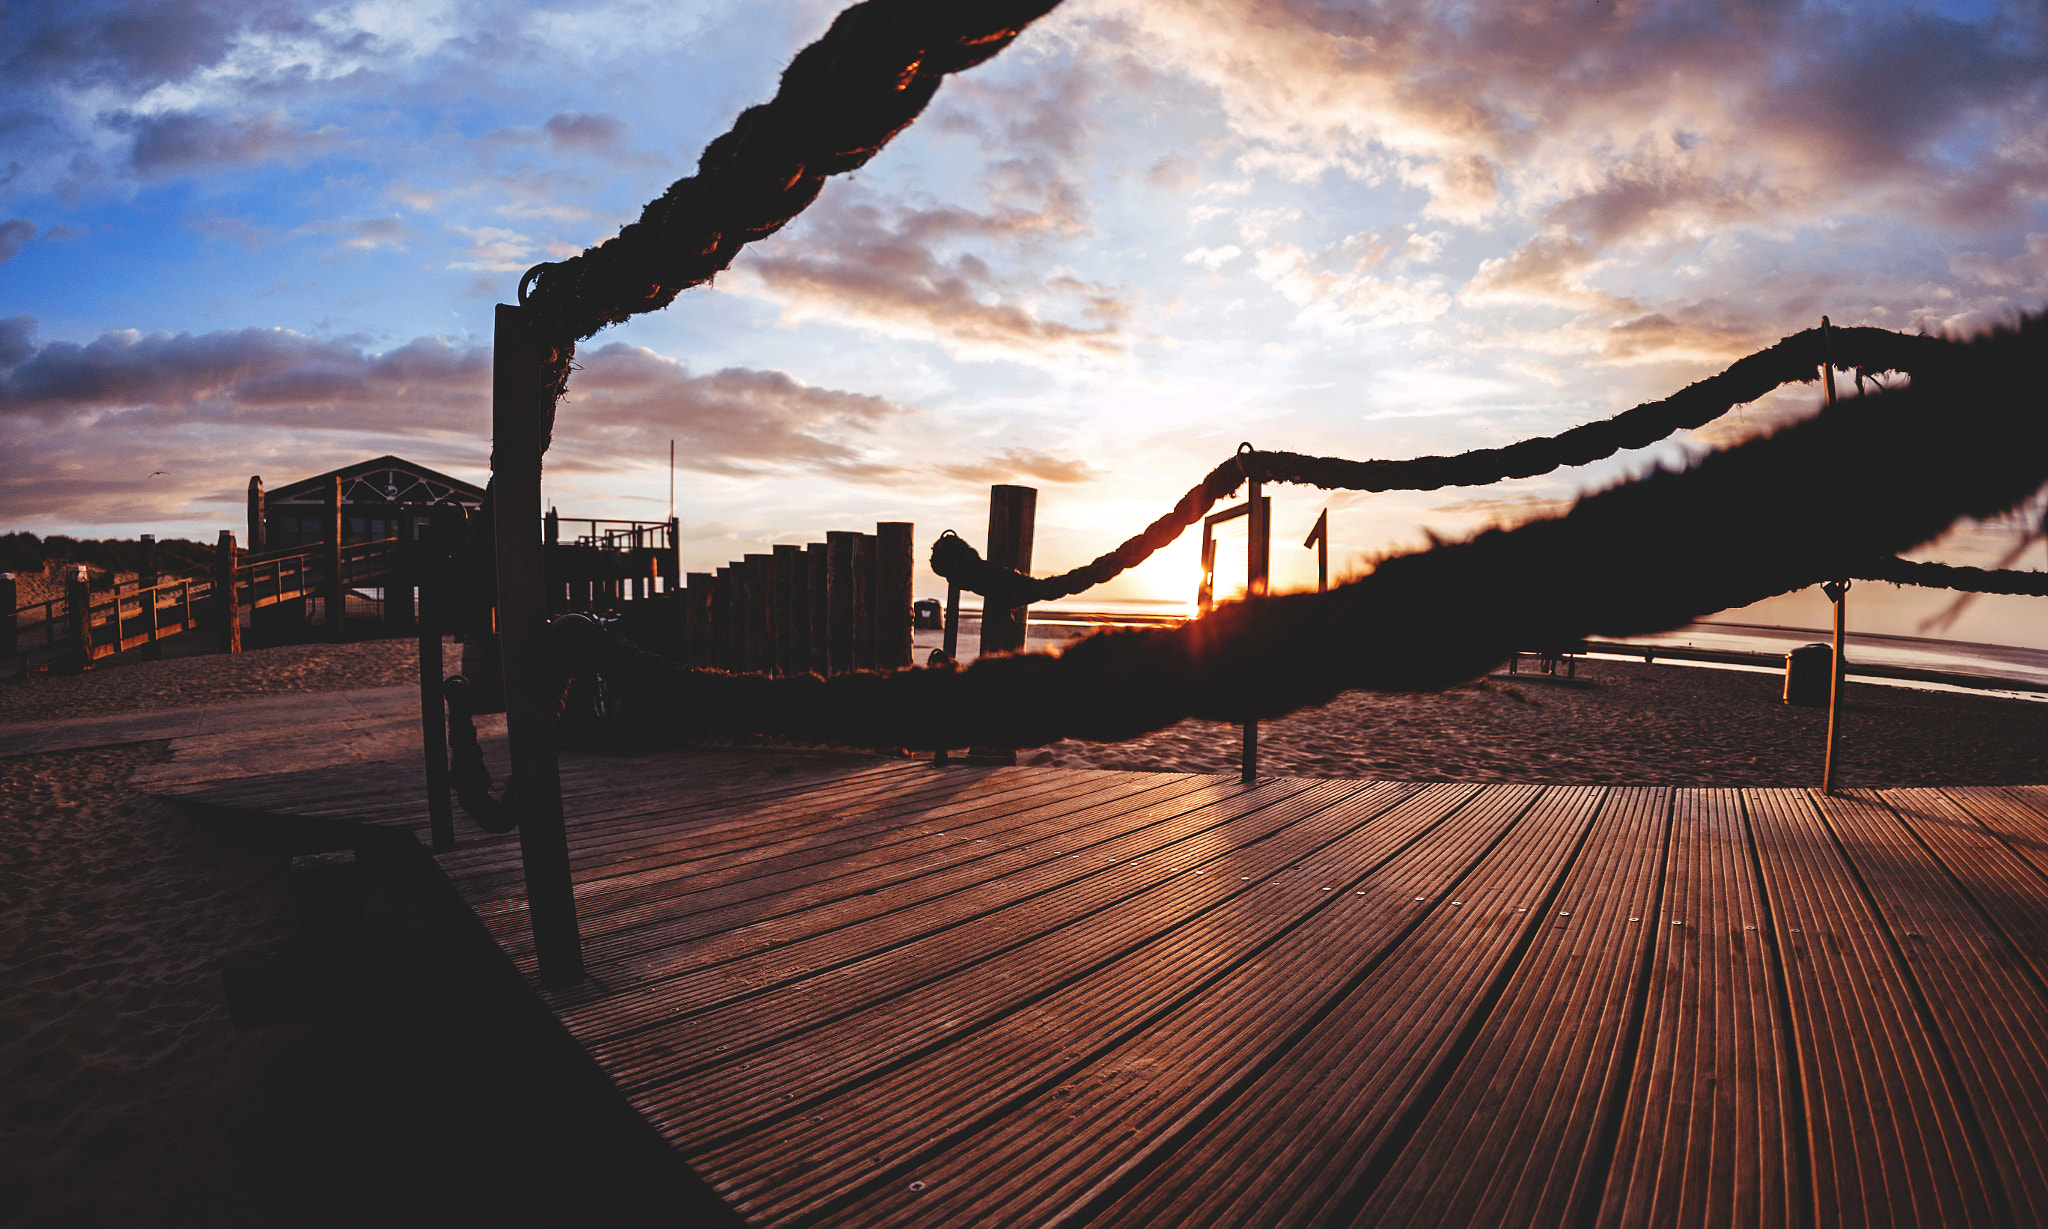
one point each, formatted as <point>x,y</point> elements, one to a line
<point>1258,553</point>
<point>1319,537</point>
<point>536,783</point>
<point>1839,591</point>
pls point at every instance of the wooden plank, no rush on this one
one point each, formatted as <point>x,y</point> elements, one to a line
<point>1512,1139</point>
<point>1046,1004</point>
<point>756,916</point>
<point>1978,993</point>
<point>2011,889</point>
<point>748,887</point>
<point>1088,1128</point>
<point>1708,1135</point>
<point>899,835</point>
<point>1888,1146</point>
<point>859,999</point>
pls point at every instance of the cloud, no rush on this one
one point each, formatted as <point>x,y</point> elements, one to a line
<point>173,142</point>
<point>1549,270</point>
<point>1352,282</point>
<point>575,130</point>
<point>1624,124</point>
<point>1014,463</point>
<point>928,274</point>
<point>625,401</point>
<point>82,425</point>
<point>13,234</point>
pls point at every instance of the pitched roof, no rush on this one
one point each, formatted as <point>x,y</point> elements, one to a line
<point>385,479</point>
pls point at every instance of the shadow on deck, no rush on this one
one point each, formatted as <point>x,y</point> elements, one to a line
<point>849,991</point>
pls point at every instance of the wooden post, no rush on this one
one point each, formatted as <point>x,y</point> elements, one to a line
<point>1205,591</point>
<point>227,596</point>
<point>672,576</point>
<point>536,786</point>
<point>819,632</point>
<point>893,568</point>
<point>1319,537</point>
<point>863,601</point>
<point>721,620</point>
<point>259,537</point>
<point>790,649</point>
<point>78,616</point>
<point>1837,591</point>
<point>433,555</point>
<point>337,588</point>
<point>950,645</point>
<point>697,619</point>
<point>1012,517</point>
<point>759,571</point>
<point>10,602</point>
<point>839,601</point>
<point>149,580</point>
<point>399,574</point>
<point>1258,558</point>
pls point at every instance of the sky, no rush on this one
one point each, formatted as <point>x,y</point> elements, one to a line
<point>265,237</point>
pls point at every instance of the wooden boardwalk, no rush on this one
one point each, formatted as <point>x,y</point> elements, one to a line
<point>866,992</point>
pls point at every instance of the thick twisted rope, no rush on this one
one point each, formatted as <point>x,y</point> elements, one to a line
<point>841,99</point>
<point>1960,579</point>
<point>1865,478</point>
<point>1795,359</point>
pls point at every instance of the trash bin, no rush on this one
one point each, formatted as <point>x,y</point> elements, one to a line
<point>1809,672</point>
<point>926,615</point>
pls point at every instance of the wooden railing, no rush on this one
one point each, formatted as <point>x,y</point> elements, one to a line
<point>81,626</point>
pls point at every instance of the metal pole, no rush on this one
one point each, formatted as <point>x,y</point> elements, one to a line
<point>536,784</point>
<point>1837,591</point>
<point>1258,549</point>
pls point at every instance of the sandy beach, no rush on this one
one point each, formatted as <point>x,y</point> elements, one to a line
<point>134,1102</point>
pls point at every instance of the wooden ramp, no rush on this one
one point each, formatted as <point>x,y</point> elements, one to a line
<point>866,992</point>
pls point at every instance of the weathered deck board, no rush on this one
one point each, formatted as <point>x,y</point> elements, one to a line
<point>868,992</point>
<point>1707,1137</point>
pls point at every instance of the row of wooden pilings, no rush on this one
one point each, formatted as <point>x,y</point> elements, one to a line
<point>824,607</point>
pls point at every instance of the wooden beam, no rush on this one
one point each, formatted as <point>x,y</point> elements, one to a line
<point>536,786</point>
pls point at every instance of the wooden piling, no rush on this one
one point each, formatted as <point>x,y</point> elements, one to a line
<point>721,620</point>
<point>792,645</point>
<point>516,413</point>
<point>433,559</point>
<point>227,595</point>
<point>1012,518</point>
<point>864,593</point>
<point>259,537</point>
<point>697,618</point>
<point>759,571</point>
<point>1319,537</point>
<point>817,633</point>
<point>839,601</point>
<point>10,601</point>
<point>336,588</point>
<point>893,568</point>
<point>78,616</point>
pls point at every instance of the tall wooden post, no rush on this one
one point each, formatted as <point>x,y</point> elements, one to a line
<point>893,567</point>
<point>758,571</point>
<point>1012,518</point>
<point>227,596</point>
<point>839,601</point>
<point>863,601</point>
<point>258,536</point>
<point>1837,591</point>
<point>336,588</point>
<point>819,632</point>
<point>792,641</point>
<point>536,786</point>
<point>697,619</point>
<point>433,554</point>
<point>147,583</point>
<point>721,620</point>
<point>10,601</point>
<point>78,616</point>
<point>1258,560</point>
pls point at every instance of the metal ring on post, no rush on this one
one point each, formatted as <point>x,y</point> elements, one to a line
<point>526,279</point>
